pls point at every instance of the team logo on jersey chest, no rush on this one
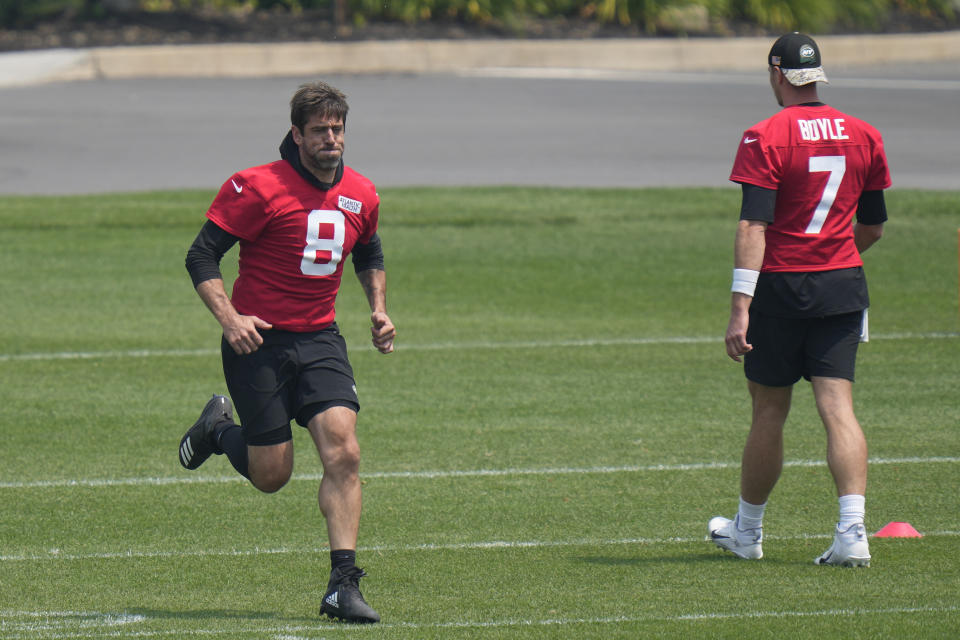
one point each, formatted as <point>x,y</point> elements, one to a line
<point>349,204</point>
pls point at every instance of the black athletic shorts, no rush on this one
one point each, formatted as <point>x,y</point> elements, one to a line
<point>292,376</point>
<point>786,349</point>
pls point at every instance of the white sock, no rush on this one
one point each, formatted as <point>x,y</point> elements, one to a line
<point>750,516</point>
<point>852,511</point>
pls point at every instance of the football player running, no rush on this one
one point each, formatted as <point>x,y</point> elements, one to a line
<point>296,220</point>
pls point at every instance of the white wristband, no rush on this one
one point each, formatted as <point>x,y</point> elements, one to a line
<point>745,281</point>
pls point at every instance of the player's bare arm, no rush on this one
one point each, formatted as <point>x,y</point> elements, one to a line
<point>749,246</point>
<point>374,283</point>
<point>866,235</point>
<point>241,332</point>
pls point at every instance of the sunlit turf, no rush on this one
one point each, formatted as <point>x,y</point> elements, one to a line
<point>541,453</point>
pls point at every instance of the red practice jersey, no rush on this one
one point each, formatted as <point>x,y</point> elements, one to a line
<point>819,160</point>
<point>294,238</point>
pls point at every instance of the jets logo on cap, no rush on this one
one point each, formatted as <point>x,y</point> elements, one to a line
<point>807,53</point>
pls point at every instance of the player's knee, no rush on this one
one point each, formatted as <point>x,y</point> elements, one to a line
<point>269,485</point>
<point>269,480</point>
<point>342,460</point>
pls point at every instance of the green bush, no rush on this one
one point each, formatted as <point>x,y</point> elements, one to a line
<point>811,15</point>
<point>819,16</point>
<point>15,13</point>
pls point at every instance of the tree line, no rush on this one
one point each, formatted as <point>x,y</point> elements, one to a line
<point>649,16</point>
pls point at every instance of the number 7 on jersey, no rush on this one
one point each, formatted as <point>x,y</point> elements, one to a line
<point>837,166</point>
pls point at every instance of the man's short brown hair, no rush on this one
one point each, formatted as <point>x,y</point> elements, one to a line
<point>317,97</point>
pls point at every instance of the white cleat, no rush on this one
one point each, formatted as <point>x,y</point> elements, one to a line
<point>849,549</point>
<point>744,544</point>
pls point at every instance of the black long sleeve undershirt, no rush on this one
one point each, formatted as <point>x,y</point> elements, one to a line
<point>204,255</point>
<point>758,203</point>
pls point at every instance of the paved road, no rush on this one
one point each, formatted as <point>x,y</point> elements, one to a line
<point>556,127</point>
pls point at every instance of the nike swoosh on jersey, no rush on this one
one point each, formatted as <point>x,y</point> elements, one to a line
<point>749,140</point>
<point>236,186</point>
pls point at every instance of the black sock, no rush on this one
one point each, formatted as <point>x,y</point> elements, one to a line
<point>230,439</point>
<point>343,558</point>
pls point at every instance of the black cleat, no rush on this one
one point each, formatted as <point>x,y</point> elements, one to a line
<point>197,444</point>
<point>343,599</point>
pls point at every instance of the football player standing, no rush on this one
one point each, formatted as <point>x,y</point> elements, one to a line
<point>812,180</point>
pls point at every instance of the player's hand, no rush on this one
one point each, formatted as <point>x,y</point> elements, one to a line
<point>383,331</point>
<point>736,338</point>
<point>243,335</point>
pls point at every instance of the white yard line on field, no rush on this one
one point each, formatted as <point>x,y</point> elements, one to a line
<point>91,355</point>
<point>693,617</point>
<point>481,545</point>
<point>450,473</point>
<point>61,625</point>
<point>441,346</point>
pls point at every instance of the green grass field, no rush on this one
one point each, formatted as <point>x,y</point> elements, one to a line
<point>541,453</point>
